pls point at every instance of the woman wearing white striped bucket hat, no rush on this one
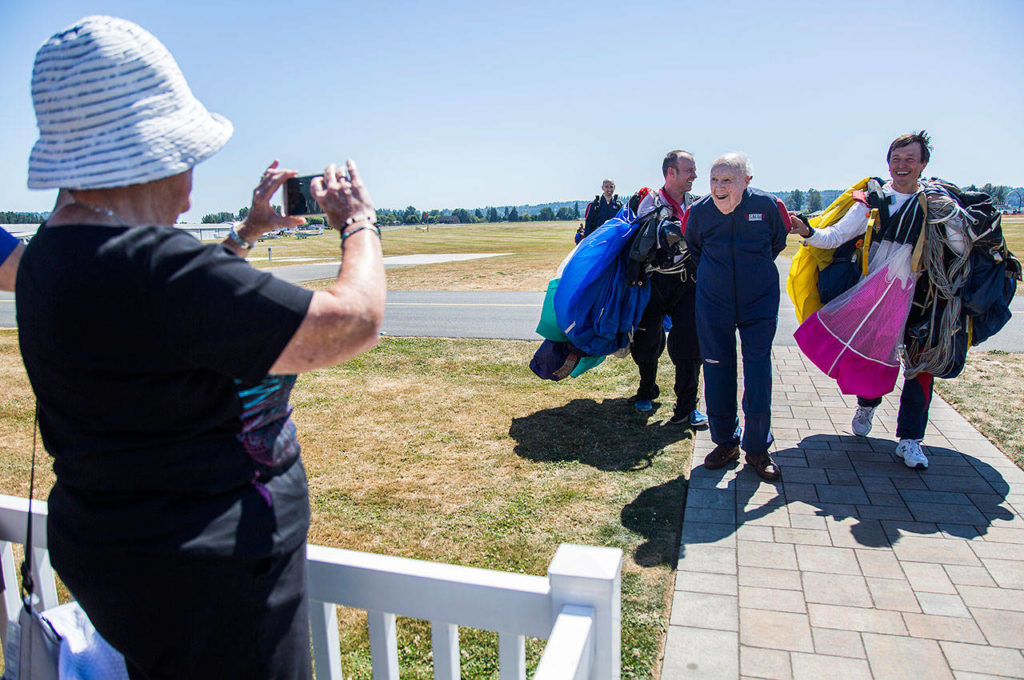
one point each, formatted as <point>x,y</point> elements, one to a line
<point>162,366</point>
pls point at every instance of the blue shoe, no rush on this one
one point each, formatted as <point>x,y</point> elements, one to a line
<point>643,405</point>
<point>698,419</point>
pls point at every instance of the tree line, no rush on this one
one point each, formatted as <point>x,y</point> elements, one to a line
<point>811,200</point>
<point>12,217</point>
<point>815,200</point>
<point>412,215</point>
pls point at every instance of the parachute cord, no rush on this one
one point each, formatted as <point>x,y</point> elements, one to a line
<point>945,216</point>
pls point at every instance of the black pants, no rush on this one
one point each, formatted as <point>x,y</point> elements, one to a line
<point>177,616</point>
<point>669,297</point>
<point>914,402</point>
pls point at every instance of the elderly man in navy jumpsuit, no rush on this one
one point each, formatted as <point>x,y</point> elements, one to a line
<point>735,234</point>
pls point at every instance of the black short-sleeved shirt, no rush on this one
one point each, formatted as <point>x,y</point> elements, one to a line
<point>148,352</point>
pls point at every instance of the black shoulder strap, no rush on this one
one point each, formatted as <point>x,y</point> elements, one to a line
<point>878,199</point>
<point>27,585</point>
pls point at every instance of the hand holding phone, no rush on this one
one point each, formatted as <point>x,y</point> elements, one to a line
<point>343,196</point>
<point>297,196</point>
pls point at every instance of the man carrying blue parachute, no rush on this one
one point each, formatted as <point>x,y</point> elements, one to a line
<point>909,272</point>
<point>615,289</point>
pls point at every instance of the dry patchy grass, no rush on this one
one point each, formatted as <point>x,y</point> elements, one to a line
<point>988,395</point>
<point>535,251</point>
<point>453,451</point>
<point>1013,230</point>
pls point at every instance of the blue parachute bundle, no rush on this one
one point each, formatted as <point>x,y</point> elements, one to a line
<point>557,358</point>
<point>594,305</point>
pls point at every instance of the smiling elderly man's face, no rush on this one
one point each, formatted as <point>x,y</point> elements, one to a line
<point>727,185</point>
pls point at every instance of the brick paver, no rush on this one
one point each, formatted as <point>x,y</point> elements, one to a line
<point>853,566</point>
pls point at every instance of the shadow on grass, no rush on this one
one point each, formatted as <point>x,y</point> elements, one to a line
<point>609,435</point>
<point>612,436</point>
<point>657,514</point>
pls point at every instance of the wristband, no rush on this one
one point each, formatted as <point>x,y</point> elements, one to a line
<point>238,240</point>
<point>346,234</point>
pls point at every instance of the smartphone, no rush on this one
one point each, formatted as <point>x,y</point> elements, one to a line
<point>297,198</point>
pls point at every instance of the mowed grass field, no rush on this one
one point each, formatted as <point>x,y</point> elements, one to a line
<point>535,251</point>
<point>453,451</point>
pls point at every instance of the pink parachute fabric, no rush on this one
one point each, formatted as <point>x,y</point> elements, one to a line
<point>855,338</point>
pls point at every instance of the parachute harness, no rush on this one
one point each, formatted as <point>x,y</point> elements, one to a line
<point>946,257</point>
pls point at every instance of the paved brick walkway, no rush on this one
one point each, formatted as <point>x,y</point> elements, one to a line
<point>854,566</point>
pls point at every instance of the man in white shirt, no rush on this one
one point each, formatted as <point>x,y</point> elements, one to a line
<point>907,157</point>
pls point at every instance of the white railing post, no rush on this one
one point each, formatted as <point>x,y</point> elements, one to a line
<point>511,656</point>
<point>591,577</point>
<point>572,645</point>
<point>445,645</point>
<point>11,600</point>
<point>323,626</point>
<point>45,581</point>
<point>383,645</point>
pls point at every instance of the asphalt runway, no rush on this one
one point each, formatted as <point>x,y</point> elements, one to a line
<point>514,315</point>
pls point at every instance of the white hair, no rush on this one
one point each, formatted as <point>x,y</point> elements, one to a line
<point>737,161</point>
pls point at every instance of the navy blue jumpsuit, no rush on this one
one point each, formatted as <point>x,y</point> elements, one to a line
<point>738,288</point>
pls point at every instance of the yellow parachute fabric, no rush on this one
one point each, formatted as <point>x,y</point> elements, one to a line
<point>802,281</point>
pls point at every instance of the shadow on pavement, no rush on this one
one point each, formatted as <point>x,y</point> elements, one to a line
<point>865,494</point>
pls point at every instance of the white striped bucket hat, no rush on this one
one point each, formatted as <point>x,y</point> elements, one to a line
<point>113,109</point>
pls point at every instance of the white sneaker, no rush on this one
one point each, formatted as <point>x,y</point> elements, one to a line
<point>862,420</point>
<point>913,456</point>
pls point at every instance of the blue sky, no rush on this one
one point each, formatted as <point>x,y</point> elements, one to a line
<point>466,104</point>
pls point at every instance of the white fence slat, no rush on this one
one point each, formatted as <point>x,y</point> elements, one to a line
<point>323,625</point>
<point>383,645</point>
<point>569,650</point>
<point>464,596</point>
<point>45,583</point>
<point>444,638</point>
<point>512,656</point>
<point>11,600</point>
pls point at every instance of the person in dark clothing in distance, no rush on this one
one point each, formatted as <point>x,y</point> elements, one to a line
<point>604,207</point>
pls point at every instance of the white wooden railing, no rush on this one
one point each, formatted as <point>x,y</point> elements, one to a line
<point>576,607</point>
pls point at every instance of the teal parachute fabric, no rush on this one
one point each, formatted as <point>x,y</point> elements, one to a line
<point>594,306</point>
<point>548,328</point>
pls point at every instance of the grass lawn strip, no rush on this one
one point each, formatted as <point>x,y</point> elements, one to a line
<point>988,395</point>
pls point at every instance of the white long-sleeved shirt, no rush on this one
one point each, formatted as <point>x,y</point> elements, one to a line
<point>855,222</point>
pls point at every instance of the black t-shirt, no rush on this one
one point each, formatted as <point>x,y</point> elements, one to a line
<point>148,353</point>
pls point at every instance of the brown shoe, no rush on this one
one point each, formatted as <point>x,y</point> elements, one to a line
<point>721,456</point>
<point>766,468</point>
